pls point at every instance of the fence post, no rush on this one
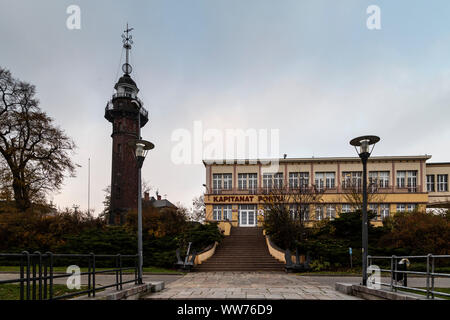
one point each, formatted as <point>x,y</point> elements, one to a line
<point>93,274</point>
<point>117,272</point>
<point>428,276</point>
<point>392,273</point>
<point>22,276</point>
<point>136,269</point>
<point>47,254</point>
<point>89,276</point>
<point>50,257</point>
<point>395,272</point>
<point>39,256</point>
<point>120,268</point>
<point>33,265</point>
<point>28,275</point>
<point>432,277</point>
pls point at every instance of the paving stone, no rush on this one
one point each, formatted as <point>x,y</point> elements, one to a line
<point>245,285</point>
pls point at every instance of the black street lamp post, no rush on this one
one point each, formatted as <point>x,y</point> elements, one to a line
<point>364,153</point>
<point>141,148</point>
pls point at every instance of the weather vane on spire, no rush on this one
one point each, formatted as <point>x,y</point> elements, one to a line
<point>127,42</point>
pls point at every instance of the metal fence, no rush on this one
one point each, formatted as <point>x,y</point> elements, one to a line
<point>37,276</point>
<point>397,273</point>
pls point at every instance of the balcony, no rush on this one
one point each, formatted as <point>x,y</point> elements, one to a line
<point>110,109</point>
<point>310,189</point>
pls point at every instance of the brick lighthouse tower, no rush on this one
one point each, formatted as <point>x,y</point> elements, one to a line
<point>127,115</point>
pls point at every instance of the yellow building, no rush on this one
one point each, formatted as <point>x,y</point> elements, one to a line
<point>237,191</point>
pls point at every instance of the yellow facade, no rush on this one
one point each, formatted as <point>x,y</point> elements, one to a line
<point>232,202</point>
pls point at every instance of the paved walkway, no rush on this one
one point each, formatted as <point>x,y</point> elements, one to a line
<point>247,285</point>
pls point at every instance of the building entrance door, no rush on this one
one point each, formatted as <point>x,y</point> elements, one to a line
<point>247,216</point>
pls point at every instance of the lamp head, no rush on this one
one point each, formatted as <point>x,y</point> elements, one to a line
<point>364,143</point>
<point>141,148</point>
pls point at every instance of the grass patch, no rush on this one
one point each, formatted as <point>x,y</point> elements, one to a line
<point>11,291</point>
<point>331,273</point>
<point>159,270</point>
<point>336,272</point>
<point>444,290</point>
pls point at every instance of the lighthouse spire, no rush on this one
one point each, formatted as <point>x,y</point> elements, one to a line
<point>127,42</point>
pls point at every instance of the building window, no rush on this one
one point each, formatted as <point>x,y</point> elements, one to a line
<point>272,181</point>
<point>374,208</point>
<point>410,207</point>
<point>217,213</point>
<point>305,212</point>
<point>430,182</point>
<point>346,208</point>
<point>383,179</point>
<point>442,182</point>
<point>407,179</point>
<point>267,181</point>
<point>278,180</point>
<point>242,181</point>
<point>304,179</point>
<point>329,180</point>
<point>222,182</point>
<point>324,180</point>
<point>294,180</point>
<point>384,211</point>
<point>319,213</point>
<point>298,180</point>
<point>298,211</point>
<point>293,211</point>
<point>401,182</point>
<point>222,212</point>
<point>247,181</point>
<point>217,183</point>
<point>252,182</point>
<point>412,180</point>
<point>227,181</point>
<point>331,212</point>
<point>352,179</point>
<point>319,181</point>
<point>379,179</point>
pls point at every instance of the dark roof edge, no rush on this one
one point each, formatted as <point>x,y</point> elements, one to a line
<point>312,159</point>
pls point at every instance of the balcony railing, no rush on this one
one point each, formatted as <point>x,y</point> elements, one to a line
<point>142,110</point>
<point>311,189</point>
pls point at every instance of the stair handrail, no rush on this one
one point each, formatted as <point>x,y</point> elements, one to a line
<point>187,254</point>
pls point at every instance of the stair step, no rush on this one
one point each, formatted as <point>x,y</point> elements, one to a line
<point>244,250</point>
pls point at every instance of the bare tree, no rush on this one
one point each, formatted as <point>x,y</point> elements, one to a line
<point>146,187</point>
<point>106,204</point>
<point>288,211</point>
<point>35,151</point>
<point>352,193</point>
<point>198,209</point>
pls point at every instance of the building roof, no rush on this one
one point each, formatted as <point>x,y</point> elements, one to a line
<point>312,159</point>
<point>438,164</point>
<point>125,79</point>
<point>163,203</point>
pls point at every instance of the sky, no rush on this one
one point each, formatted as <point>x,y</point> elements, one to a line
<point>311,69</point>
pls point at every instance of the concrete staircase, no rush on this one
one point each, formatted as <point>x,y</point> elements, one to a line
<point>245,249</point>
